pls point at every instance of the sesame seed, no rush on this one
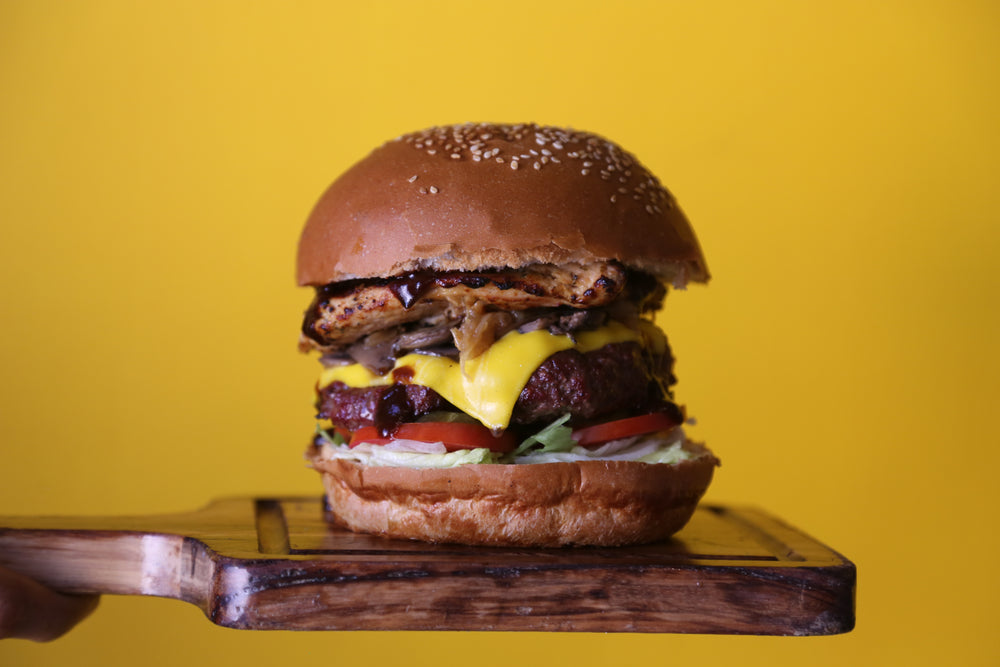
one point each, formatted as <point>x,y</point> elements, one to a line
<point>423,191</point>
<point>433,189</point>
<point>540,145</point>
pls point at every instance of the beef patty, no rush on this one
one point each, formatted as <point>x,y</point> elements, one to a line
<point>617,378</point>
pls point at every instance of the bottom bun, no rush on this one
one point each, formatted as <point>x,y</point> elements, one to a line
<point>598,503</point>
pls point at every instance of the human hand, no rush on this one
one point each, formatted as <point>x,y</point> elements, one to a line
<point>30,610</point>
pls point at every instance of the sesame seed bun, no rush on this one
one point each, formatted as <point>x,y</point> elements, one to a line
<point>486,195</point>
<point>588,503</point>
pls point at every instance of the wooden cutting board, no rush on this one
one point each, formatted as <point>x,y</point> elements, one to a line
<point>277,564</point>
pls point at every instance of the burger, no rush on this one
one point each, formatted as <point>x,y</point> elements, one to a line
<point>491,373</point>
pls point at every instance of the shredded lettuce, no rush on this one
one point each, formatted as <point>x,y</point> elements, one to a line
<point>673,454</point>
<point>379,455</point>
<point>642,449</point>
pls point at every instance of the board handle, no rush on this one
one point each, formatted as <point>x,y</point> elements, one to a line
<point>162,555</point>
<point>117,563</point>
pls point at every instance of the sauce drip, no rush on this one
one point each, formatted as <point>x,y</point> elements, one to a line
<point>392,409</point>
<point>403,374</point>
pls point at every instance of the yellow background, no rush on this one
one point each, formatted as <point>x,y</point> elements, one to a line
<point>839,162</point>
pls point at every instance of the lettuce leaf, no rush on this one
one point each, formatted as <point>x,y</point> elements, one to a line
<point>556,437</point>
<point>331,437</point>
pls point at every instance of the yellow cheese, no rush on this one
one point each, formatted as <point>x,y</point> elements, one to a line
<point>491,383</point>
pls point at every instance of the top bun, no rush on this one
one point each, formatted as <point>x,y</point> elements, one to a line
<point>476,196</point>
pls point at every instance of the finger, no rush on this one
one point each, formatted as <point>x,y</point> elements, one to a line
<point>29,610</point>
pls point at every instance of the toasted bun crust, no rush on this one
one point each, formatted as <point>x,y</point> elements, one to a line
<point>600,503</point>
<point>485,195</point>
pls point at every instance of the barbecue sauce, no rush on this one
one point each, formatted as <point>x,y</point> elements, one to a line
<point>393,408</point>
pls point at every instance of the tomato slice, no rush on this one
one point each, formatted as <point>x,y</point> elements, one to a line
<point>454,435</point>
<point>367,434</point>
<point>623,428</point>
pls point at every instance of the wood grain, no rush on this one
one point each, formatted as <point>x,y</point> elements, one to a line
<point>276,563</point>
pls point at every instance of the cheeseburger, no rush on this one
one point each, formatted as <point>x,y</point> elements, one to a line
<point>491,372</point>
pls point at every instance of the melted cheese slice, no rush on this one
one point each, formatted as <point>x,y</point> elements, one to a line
<point>490,384</point>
